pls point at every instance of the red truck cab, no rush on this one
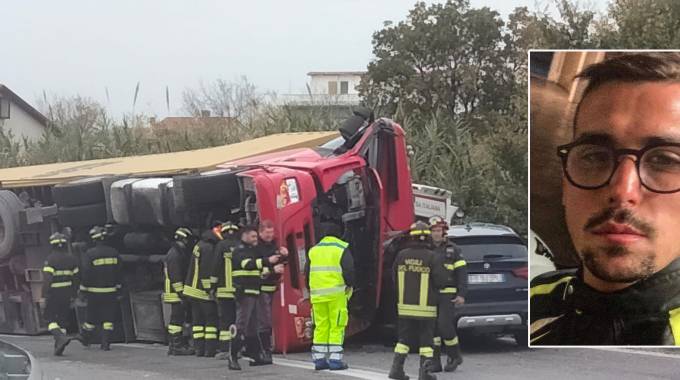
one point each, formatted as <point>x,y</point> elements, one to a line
<point>360,181</point>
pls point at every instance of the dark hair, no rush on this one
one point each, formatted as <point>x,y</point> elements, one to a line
<point>329,229</point>
<point>247,229</point>
<point>265,224</point>
<point>630,68</point>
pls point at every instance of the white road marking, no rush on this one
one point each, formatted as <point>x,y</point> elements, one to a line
<point>351,372</point>
<point>637,352</point>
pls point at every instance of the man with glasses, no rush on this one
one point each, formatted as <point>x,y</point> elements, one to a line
<point>621,194</point>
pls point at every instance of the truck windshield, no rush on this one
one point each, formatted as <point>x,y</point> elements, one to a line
<point>331,146</point>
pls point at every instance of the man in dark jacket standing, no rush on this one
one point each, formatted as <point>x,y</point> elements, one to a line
<point>418,280</point>
<point>247,273</point>
<point>448,256</point>
<point>101,283</point>
<point>226,293</point>
<point>330,277</point>
<point>59,287</point>
<point>175,271</point>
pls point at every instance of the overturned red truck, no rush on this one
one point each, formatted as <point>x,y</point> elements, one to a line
<point>359,180</point>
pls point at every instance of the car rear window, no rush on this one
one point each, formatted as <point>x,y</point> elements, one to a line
<point>481,248</point>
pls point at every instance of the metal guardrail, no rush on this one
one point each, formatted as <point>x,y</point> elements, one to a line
<point>18,364</point>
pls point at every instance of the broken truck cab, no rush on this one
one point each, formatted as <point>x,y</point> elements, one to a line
<point>360,182</point>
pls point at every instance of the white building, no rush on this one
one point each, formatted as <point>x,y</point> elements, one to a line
<point>328,87</point>
<point>19,117</point>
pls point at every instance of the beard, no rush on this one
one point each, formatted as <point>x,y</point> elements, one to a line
<point>597,261</point>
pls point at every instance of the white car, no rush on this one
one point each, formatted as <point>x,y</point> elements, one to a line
<point>540,257</point>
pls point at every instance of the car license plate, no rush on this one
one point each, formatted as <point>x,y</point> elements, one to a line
<point>486,278</point>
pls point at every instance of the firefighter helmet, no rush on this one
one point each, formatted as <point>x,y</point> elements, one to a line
<point>98,233</point>
<point>229,228</point>
<point>183,233</point>
<point>58,239</point>
<point>438,221</point>
<point>420,231</point>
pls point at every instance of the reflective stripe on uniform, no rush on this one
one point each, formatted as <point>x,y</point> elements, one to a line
<point>437,341</point>
<point>451,342</point>
<point>251,291</point>
<point>674,320</point>
<point>93,289</point>
<point>107,326</point>
<point>53,326</point>
<point>401,348</point>
<point>192,292</point>
<point>417,311</point>
<point>171,298</point>
<point>105,261</point>
<point>225,335</point>
<point>61,284</point>
<point>268,288</point>
<point>427,352</point>
<point>210,332</point>
<point>197,332</point>
<point>459,263</point>
<point>326,269</point>
<point>88,326</point>
<point>326,291</point>
<point>548,288</point>
<point>48,269</point>
<point>178,286</point>
<point>448,290</point>
<point>64,272</point>
<point>174,329</point>
<point>206,283</point>
<point>225,293</point>
<point>244,273</point>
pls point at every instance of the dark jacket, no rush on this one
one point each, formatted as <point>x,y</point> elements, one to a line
<point>175,271</point>
<point>247,269</point>
<point>269,279</point>
<point>101,269</point>
<point>201,279</point>
<point>224,266</point>
<point>448,256</point>
<point>61,273</point>
<point>410,265</point>
<point>566,311</point>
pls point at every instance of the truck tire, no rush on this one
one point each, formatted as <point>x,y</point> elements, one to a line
<point>148,203</point>
<point>121,201</point>
<point>79,193</point>
<point>207,190</point>
<point>10,205</point>
<point>83,216</point>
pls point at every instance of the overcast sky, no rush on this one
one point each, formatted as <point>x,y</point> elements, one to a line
<point>71,47</point>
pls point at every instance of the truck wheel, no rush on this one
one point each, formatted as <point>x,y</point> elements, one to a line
<point>10,205</point>
<point>78,193</point>
<point>148,203</point>
<point>205,190</point>
<point>83,216</point>
<point>121,201</point>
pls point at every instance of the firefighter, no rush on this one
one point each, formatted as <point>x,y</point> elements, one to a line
<point>175,270</point>
<point>267,247</point>
<point>59,288</point>
<point>418,280</point>
<point>246,273</point>
<point>225,294</point>
<point>101,285</point>
<point>198,287</point>
<point>448,256</point>
<point>330,278</point>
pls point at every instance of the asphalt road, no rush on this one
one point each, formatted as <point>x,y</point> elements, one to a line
<point>484,359</point>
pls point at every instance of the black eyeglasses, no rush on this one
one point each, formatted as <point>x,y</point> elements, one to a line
<point>591,166</point>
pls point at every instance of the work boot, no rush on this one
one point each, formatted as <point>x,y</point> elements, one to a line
<point>176,348</point>
<point>254,352</point>
<point>60,341</point>
<point>337,365</point>
<point>85,337</point>
<point>199,347</point>
<point>106,345</point>
<point>235,348</point>
<point>223,352</point>
<point>266,340</point>
<point>437,359</point>
<point>397,370</point>
<point>425,371</point>
<point>210,348</point>
<point>454,358</point>
<point>320,364</point>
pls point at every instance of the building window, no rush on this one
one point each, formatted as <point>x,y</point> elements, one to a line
<point>344,88</point>
<point>332,88</point>
<point>4,108</point>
